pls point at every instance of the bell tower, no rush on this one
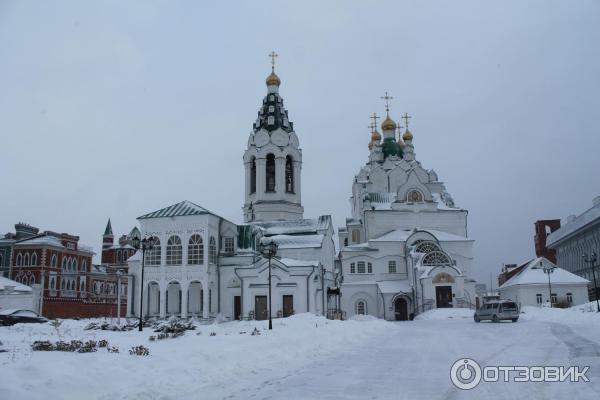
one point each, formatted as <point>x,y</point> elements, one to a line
<point>272,161</point>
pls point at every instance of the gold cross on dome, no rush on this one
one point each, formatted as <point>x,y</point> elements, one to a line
<point>387,99</point>
<point>406,117</point>
<point>373,125</point>
<point>273,56</point>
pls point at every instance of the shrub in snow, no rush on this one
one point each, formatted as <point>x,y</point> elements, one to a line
<point>112,349</point>
<point>213,334</point>
<point>177,334</point>
<point>103,343</point>
<point>63,346</point>
<point>139,351</point>
<point>42,345</point>
<point>88,347</point>
<point>152,338</point>
<point>255,332</point>
<point>162,336</point>
<point>56,323</point>
<point>174,325</point>
<point>76,344</point>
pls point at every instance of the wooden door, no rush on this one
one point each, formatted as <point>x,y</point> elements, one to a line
<point>443,296</point>
<point>237,308</point>
<point>261,310</point>
<point>288,305</point>
<point>401,309</point>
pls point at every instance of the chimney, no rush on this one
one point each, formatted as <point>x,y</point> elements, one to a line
<point>24,231</point>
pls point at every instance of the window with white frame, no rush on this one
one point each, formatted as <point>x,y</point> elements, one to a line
<point>538,298</point>
<point>361,267</point>
<point>84,265</point>
<point>34,259</point>
<point>554,298</point>
<point>228,244</point>
<point>352,268</point>
<point>153,256</point>
<point>53,261</point>
<point>174,250</point>
<point>74,265</point>
<point>26,259</point>
<point>31,280</point>
<point>361,307</point>
<point>355,236</point>
<point>392,267</point>
<point>369,268</point>
<point>212,250</point>
<point>570,298</point>
<point>195,250</point>
<point>19,260</point>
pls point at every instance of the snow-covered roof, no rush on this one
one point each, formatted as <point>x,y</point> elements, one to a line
<point>398,286</point>
<point>18,287</point>
<point>291,262</point>
<point>359,247</point>
<point>180,209</point>
<point>45,240</point>
<point>533,274</point>
<point>586,218</point>
<point>297,241</point>
<point>312,225</point>
<point>401,235</point>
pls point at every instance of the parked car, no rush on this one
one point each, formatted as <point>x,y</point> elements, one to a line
<point>11,317</point>
<point>497,310</point>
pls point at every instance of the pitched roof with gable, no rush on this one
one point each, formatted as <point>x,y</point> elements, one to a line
<point>176,210</point>
<point>533,274</point>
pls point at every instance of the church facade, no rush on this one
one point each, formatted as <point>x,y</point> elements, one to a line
<point>206,266</point>
<point>404,249</point>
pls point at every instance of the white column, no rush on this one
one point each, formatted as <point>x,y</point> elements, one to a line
<point>261,176</point>
<point>280,177</point>
<point>297,180</point>
<point>247,167</point>
<point>163,301</point>
<point>184,301</point>
<point>205,289</point>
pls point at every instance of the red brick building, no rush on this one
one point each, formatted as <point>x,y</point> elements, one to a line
<point>60,271</point>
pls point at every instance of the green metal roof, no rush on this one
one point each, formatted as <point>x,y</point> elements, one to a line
<point>176,210</point>
<point>108,230</point>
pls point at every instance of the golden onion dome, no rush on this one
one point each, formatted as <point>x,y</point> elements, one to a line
<point>407,135</point>
<point>375,136</point>
<point>273,79</point>
<point>388,124</point>
<point>370,145</point>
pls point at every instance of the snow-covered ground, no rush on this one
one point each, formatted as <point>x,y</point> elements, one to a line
<point>306,357</point>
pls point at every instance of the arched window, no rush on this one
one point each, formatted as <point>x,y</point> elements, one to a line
<point>427,247</point>
<point>74,265</point>
<point>19,260</point>
<point>270,173</point>
<point>31,280</point>
<point>34,259</point>
<point>361,307</point>
<point>63,286</point>
<point>174,250</point>
<point>253,175</point>
<point>195,250</point>
<point>212,251</point>
<point>84,265</point>
<point>26,259</point>
<point>118,256</point>
<point>153,257</point>
<point>436,258</point>
<point>289,174</point>
<point>355,236</point>
<point>64,263</point>
<point>82,286</point>
<point>52,283</point>
<point>53,261</point>
<point>414,196</point>
<point>345,241</point>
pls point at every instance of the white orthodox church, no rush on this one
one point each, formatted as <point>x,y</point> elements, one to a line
<point>205,265</point>
<point>404,250</point>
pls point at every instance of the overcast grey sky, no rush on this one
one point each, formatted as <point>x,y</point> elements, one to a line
<point>114,109</point>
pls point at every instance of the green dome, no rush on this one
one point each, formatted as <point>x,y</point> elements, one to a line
<point>391,148</point>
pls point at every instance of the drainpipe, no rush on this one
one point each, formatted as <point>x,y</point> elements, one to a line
<point>323,288</point>
<point>219,271</point>
<point>307,291</point>
<point>422,297</point>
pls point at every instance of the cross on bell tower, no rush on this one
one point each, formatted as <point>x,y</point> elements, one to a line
<point>273,56</point>
<point>387,99</point>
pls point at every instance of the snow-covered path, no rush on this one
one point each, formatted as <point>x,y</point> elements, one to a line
<point>307,357</point>
<point>413,359</point>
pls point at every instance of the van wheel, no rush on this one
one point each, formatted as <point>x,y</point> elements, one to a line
<point>495,318</point>
<point>476,318</point>
<point>515,319</point>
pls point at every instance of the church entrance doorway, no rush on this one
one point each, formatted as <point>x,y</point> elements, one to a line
<point>401,309</point>
<point>288,305</point>
<point>443,296</point>
<point>237,308</point>
<point>260,308</point>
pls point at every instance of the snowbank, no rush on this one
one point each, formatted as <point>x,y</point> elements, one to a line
<point>446,313</point>
<point>582,314</point>
<point>212,357</point>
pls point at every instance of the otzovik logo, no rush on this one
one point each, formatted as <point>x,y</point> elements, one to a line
<point>466,373</point>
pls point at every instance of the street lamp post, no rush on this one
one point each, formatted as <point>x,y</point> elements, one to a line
<point>591,259</point>
<point>548,269</point>
<point>146,244</point>
<point>269,249</point>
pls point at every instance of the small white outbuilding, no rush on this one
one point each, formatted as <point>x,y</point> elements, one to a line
<point>530,286</point>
